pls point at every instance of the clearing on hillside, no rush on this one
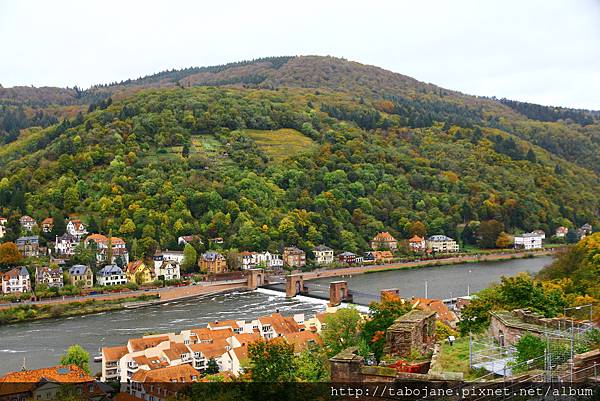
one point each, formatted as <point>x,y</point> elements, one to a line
<point>282,143</point>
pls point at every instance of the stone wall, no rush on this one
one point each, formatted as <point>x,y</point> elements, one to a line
<point>414,330</point>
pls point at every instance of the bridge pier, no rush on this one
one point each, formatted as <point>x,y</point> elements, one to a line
<point>294,285</point>
<point>256,278</point>
<point>338,293</point>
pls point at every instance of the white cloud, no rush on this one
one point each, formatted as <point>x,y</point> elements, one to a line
<point>540,51</point>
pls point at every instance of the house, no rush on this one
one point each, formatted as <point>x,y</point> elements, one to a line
<point>294,257</point>
<point>217,240</point>
<point>443,313</point>
<point>3,221</point>
<point>323,255</point>
<point>171,256</point>
<point>347,258</point>
<point>441,244</point>
<point>48,383</point>
<point>417,244</point>
<point>47,224</point>
<point>83,274</point>
<point>29,246</point>
<point>168,270</point>
<point>381,256</point>
<point>587,229</point>
<point>65,245</point>
<point>212,262</point>
<point>119,250</point>
<point>163,383</point>
<point>137,272</point>
<point>540,233</point>
<point>16,280</point>
<point>186,239</point>
<point>247,260</point>
<point>51,276</point>
<point>111,275</point>
<point>27,222</point>
<point>269,260</point>
<point>561,232</point>
<point>528,241</point>
<point>76,228</point>
<point>384,240</point>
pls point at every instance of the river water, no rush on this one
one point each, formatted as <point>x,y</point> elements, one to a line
<point>41,343</point>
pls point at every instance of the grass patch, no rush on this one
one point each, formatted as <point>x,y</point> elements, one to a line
<point>455,358</point>
<point>282,143</point>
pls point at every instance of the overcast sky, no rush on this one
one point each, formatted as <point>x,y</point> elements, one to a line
<point>542,51</point>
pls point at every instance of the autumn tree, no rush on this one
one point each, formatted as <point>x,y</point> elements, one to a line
<point>418,228</point>
<point>341,330</point>
<point>504,240</point>
<point>9,254</point>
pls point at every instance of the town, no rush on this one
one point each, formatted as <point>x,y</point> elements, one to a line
<point>111,266</point>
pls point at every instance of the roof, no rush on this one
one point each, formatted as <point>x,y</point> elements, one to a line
<point>212,256</point>
<point>175,350</point>
<point>27,218</point>
<point>59,374</point>
<point>384,236</point>
<point>303,339</point>
<point>15,273</point>
<point>206,334</point>
<point>281,325</point>
<point>110,270</point>
<point>416,239</point>
<point>248,338</point>
<point>440,238</point>
<point>225,323</point>
<point>78,270</point>
<point>32,238</point>
<point>211,350</point>
<point>68,237</point>
<point>293,249</point>
<point>99,238</point>
<point>52,271</point>
<point>48,221</point>
<point>133,267</point>
<point>347,254</point>
<point>442,311</point>
<point>179,373</point>
<point>140,344</point>
<point>322,248</point>
<point>529,235</point>
<point>114,353</point>
<point>382,254</point>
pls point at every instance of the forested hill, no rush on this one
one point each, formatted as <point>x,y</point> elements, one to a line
<point>270,163</point>
<point>570,134</point>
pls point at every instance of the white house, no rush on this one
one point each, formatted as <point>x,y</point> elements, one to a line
<point>76,228</point>
<point>561,232</point>
<point>65,244</point>
<point>16,280</point>
<point>2,227</point>
<point>442,244</point>
<point>531,240</point>
<point>27,222</point>
<point>168,269</point>
<point>323,255</point>
<point>111,275</point>
<point>269,260</point>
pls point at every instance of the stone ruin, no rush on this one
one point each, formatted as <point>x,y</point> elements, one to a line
<point>413,331</point>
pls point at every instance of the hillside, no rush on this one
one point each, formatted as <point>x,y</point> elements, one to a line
<point>567,133</point>
<point>311,150</point>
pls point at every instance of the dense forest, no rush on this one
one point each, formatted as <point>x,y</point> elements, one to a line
<point>292,156</point>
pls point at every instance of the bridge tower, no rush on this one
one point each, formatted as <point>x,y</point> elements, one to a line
<point>294,285</point>
<point>338,293</point>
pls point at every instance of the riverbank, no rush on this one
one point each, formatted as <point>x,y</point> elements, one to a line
<point>58,308</point>
<point>26,313</point>
<point>492,257</point>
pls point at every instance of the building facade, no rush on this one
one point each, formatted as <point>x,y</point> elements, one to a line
<point>529,241</point>
<point>212,262</point>
<point>29,246</point>
<point>294,257</point>
<point>50,276</point>
<point>323,255</point>
<point>384,240</point>
<point>83,274</point>
<point>442,244</point>
<point>16,280</point>
<point>111,275</point>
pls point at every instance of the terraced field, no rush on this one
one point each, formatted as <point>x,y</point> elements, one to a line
<point>282,143</point>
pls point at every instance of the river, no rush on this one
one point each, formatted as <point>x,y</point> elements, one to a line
<point>41,343</point>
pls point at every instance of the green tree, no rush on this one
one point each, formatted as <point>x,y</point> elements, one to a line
<point>212,367</point>
<point>313,365</point>
<point>190,258</point>
<point>488,233</point>
<point>530,352</point>
<point>341,330</point>
<point>59,226</point>
<point>272,361</point>
<point>76,355</point>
